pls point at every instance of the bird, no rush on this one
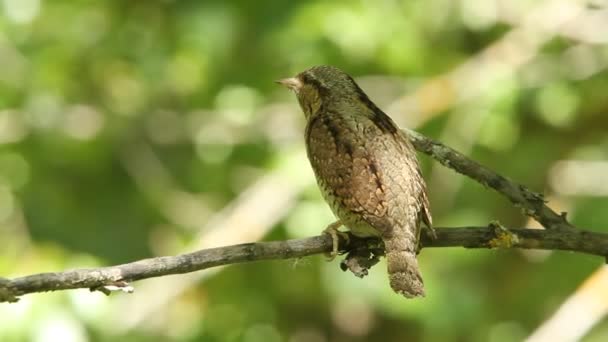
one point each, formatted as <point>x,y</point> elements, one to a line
<point>366,169</point>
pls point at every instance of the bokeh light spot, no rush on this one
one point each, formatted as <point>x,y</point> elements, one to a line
<point>83,122</point>
<point>557,104</point>
<point>12,127</point>
<point>237,103</point>
<point>21,11</point>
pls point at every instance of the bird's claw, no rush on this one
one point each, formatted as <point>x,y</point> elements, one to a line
<point>332,230</point>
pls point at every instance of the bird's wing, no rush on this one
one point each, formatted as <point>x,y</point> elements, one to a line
<point>368,170</point>
<point>426,208</point>
<point>348,175</point>
<point>405,193</point>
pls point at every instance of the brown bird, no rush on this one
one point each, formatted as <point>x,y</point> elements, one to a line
<point>366,169</point>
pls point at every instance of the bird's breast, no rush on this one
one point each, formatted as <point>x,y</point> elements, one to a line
<point>344,157</point>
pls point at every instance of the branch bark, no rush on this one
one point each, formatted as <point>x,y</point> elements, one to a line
<point>110,278</point>
<point>560,235</point>
<point>532,203</point>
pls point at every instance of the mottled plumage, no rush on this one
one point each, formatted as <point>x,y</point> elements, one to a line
<point>366,169</point>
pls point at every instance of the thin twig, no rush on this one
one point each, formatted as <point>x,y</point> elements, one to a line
<point>117,277</point>
<point>532,203</point>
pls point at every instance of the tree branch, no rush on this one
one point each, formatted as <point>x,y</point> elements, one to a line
<point>110,278</point>
<point>560,235</point>
<point>532,203</point>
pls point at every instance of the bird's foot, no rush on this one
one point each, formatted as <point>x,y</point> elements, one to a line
<point>332,230</point>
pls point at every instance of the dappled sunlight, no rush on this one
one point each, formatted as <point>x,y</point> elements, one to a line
<point>137,129</point>
<point>580,177</point>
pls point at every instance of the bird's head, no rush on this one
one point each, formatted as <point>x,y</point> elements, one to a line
<point>322,86</point>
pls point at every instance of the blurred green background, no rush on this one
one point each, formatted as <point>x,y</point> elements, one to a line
<point>130,129</point>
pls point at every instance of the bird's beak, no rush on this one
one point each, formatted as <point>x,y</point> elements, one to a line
<point>292,83</point>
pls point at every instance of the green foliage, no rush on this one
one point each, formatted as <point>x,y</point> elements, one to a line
<point>131,128</point>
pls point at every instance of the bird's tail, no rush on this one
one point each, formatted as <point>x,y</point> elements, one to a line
<point>403,272</point>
